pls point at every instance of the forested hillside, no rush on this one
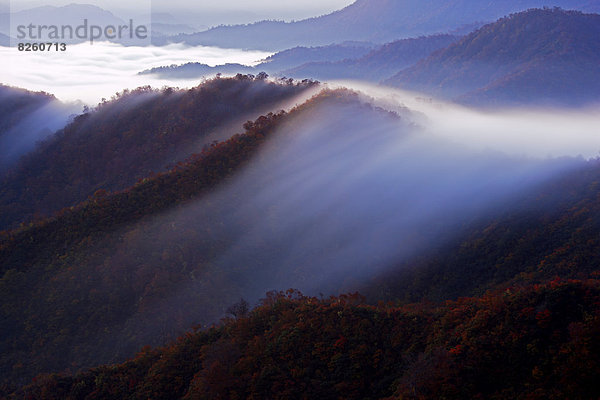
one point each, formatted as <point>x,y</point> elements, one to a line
<point>129,138</point>
<point>104,298</point>
<point>274,64</point>
<point>378,21</point>
<point>552,232</point>
<point>377,65</point>
<point>16,103</point>
<point>138,267</point>
<point>538,57</point>
<point>522,343</point>
<point>257,237</point>
<point>25,118</point>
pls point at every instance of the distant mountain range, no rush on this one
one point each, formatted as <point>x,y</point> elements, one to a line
<point>75,16</point>
<point>274,64</point>
<point>377,65</point>
<point>4,40</point>
<point>197,70</point>
<point>547,56</point>
<point>294,57</point>
<point>379,21</point>
<point>540,56</point>
<point>165,24</point>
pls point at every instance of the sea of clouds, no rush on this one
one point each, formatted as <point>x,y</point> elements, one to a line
<point>91,72</point>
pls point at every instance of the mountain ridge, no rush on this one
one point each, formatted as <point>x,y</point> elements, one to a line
<point>376,65</point>
<point>540,56</point>
<point>88,154</point>
<point>378,21</point>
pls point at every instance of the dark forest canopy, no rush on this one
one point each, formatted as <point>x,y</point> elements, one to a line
<point>99,280</point>
<point>42,253</point>
<point>25,118</point>
<point>129,138</point>
<point>534,342</point>
<point>145,245</point>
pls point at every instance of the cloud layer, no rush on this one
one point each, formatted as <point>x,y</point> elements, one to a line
<point>90,72</point>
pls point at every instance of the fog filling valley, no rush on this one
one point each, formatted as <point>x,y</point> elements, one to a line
<point>92,72</point>
<point>342,193</point>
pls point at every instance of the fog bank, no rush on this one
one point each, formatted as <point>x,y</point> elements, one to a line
<point>90,72</point>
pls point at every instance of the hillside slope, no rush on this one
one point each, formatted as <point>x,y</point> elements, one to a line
<point>287,204</point>
<point>378,21</point>
<point>273,64</point>
<point>26,118</point>
<point>378,64</point>
<point>542,57</point>
<point>122,141</point>
<point>535,342</point>
<point>96,254</point>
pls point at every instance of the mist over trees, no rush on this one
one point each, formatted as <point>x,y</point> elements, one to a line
<point>27,118</point>
<point>288,203</point>
<point>138,133</point>
<point>257,236</point>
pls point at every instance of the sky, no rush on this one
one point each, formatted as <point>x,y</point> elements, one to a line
<point>89,73</point>
<point>210,12</point>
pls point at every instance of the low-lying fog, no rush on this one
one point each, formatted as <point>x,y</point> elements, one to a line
<point>91,72</point>
<point>38,125</point>
<point>537,132</point>
<point>344,192</point>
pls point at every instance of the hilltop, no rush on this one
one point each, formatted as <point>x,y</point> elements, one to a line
<point>541,57</point>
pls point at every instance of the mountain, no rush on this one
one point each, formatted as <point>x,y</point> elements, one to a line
<point>521,343</point>
<point>166,30</point>
<point>197,70</point>
<point>378,21</point>
<point>541,57</point>
<point>26,118</point>
<point>551,235</point>
<point>4,40</point>
<point>273,64</point>
<point>150,243</point>
<point>139,133</point>
<point>165,24</point>
<point>73,16</point>
<point>97,220</point>
<point>287,203</point>
<point>16,103</point>
<point>296,56</point>
<point>377,65</point>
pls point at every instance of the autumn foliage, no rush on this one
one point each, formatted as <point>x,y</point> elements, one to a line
<point>521,343</point>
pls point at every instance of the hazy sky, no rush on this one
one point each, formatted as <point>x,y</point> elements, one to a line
<point>210,12</point>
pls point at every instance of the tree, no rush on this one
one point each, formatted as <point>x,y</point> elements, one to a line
<point>239,309</point>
